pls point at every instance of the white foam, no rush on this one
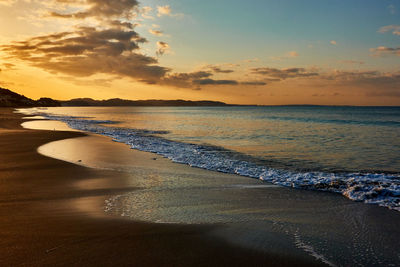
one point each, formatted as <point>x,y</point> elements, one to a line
<point>310,250</point>
<point>375,188</point>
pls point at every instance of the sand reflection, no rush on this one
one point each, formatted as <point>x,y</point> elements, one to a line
<point>46,125</point>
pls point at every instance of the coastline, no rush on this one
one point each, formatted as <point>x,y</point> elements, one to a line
<point>41,225</point>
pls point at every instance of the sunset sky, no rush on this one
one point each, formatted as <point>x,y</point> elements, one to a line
<point>245,52</point>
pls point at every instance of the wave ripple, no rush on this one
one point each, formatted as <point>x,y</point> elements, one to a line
<point>374,188</point>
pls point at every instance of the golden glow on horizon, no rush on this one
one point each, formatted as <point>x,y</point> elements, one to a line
<point>158,70</point>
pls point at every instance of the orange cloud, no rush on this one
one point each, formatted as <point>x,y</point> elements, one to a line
<point>156,32</point>
<point>383,50</point>
<point>395,29</point>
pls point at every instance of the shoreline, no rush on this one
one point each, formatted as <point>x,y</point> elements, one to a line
<point>42,227</point>
<point>271,161</point>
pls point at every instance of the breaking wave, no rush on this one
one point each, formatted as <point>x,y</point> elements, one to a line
<point>375,188</point>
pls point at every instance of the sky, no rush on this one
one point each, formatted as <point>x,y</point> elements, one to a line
<point>326,52</point>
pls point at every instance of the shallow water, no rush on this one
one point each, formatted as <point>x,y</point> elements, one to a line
<point>248,212</point>
<point>304,137</point>
<point>354,151</point>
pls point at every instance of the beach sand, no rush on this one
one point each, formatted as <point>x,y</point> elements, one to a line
<point>52,214</point>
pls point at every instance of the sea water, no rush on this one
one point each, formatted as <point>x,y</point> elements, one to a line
<point>353,151</point>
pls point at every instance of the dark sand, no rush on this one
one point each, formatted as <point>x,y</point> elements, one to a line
<point>42,225</point>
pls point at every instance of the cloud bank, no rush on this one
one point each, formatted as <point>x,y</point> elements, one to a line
<point>395,29</point>
<point>384,51</point>
<point>274,74</point>
<point>111,46</point>
<point>107,42</point>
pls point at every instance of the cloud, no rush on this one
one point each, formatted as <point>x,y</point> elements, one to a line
<point>228,82</point>
<point>217,69</point>
<point>112,47</point>
<point>99,9</point>
<point>184,80</point>
<point>383,50</point>
<point>338,75</point>
<point>162,48</point>
<point>274,74</point>
<point>88,51</point>
<point>122,25</point>
<point>163,11</point>
<point>254,83</point>
<point>292,54</point>
<point>215,82</point>
<point>352,62</point>
<point>167,11</point>
<point>7,2</point>
<point>202,78</point>
<point>395,29</point>
<point>373,82</point>
<point>252,60</point>
<point>106,44</point>
<point>333,42</point>
<point>156,32</point>
<point>9,66</point>
<point>146,11</point>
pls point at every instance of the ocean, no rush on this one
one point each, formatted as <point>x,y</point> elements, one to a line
<point>353,151</point>
<point>310,179</point>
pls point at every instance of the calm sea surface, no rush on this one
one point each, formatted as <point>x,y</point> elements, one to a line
<point>351,150</point>
<point>317,138</point>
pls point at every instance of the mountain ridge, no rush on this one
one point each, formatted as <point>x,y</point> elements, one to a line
<point>9,98</point>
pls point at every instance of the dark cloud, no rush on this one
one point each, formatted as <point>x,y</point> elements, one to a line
<point>254,83</point>
<point>215,82</point>
<point>202,78</point>
<point>83,40</point>
<point>352,62</point>
<point>122,25</point>
<point>350,75</point>
<point>88,51</point>
<point>100,9</point>
<point>373,83</point>
<point>219,70</point>
<point>162,48</point>
<point>383,50</point>
<point>283,74</point>
<point>9,66</point>
<point>156,32</point>
<point>190,75</point>
<point>374,78</point>
<point>184,79</point>
<point>111,48</point>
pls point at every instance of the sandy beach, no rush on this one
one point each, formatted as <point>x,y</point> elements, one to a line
<point>199,133</point>
<point>47,220</point>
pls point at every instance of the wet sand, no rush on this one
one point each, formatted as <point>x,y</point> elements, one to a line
<point>52,215</point>
<point>246,212</point>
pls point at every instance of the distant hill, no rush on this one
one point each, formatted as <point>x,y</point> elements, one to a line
<point>153,102</point>
<point>11,99</point>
